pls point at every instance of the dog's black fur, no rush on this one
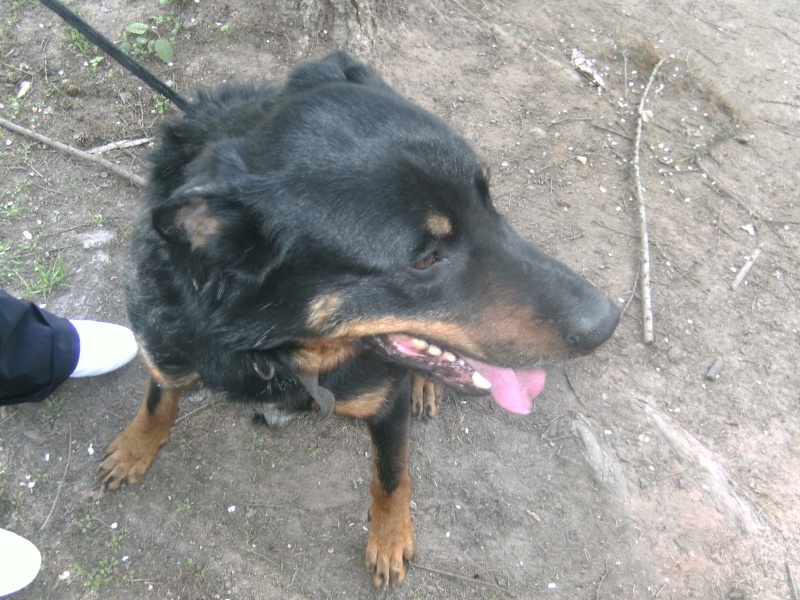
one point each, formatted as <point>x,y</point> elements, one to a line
<point>298,245</point>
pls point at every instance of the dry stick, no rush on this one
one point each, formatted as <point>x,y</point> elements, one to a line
<point>633,293</point>
<point>135,179</point>
<point>647,307</point>
<point>745,269</point>
<point>463,578</point>
<point>791,582</point>
<point>599,585</point>
<point>61,483</point>
<point>119,145</point>
<point>196,410</point>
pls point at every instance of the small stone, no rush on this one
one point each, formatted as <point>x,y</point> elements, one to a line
<point>33,436</point>
<point>581,159</point>
<point>538,133</point>
<point>715,369</point>
<point>675,354</point>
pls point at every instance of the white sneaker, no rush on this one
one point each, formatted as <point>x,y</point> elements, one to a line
<point>103,347</point>
<point>19,562</point>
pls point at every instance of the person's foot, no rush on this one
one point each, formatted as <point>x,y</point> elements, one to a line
<point>103,347</point>
<point>19,562</point>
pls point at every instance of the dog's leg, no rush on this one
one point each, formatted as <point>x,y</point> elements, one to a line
<point>391,536</point>
<point>132,452</point>
<point>425,396</point>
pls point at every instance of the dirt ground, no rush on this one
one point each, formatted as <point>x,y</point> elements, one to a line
<point>634,477</point>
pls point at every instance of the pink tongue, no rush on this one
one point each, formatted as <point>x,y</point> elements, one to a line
<point>513,390</point>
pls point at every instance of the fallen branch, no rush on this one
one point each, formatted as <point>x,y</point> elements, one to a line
<point>737,281</point>
<point>119,145</point>
<point>133,178</point>
<point>647,307</point>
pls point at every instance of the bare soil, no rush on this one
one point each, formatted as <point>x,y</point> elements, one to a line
<point>635,476</point>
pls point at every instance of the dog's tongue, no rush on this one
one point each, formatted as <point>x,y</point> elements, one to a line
<point>513,390</point>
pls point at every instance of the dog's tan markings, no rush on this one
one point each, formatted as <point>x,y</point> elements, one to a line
<point>165,381</point>
<point>425,396</point>
<point>513,333</point>
<point>486,171</point>
<point>364,406</point>
<point>321,356</point>
<point>438,225</point>
<point>132,452</point>
<point>390,544</point>
<point>321,309</point>
<point>501,333</point>
<point>199,223</point>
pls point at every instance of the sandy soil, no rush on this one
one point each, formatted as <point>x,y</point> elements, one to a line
<point>635,477</point>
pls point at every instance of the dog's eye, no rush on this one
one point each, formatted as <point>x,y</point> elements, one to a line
<point>427,262</point>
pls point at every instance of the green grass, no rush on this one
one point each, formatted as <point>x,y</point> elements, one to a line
<point>184,506</point>
<point>52,409</point>
<point>79,44</point>
<point>49,274</point>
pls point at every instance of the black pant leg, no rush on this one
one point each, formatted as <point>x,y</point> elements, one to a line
<point>38,351</point>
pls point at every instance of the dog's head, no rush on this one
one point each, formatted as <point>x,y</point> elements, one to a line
<point>330,212</point>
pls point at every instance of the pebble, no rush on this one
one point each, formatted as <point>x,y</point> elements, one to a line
<point>33,436</point>
<point>675,354</point>
<point>538,133</point>
<point>715,369</point>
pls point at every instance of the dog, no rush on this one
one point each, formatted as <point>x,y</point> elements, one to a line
<point>326,245</point>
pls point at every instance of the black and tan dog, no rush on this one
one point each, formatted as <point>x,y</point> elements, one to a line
<point>326,245</point>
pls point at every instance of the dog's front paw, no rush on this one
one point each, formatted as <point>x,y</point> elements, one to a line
<point>391,539</point>
<point>127,458</point>
<point>425,396</point>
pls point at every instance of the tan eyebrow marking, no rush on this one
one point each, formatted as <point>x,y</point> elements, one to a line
<point>437,224</point>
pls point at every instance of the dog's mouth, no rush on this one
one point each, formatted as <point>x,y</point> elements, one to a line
<point>513,390</point>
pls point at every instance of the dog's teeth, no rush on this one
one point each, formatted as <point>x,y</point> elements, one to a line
<point>434,351</point>
<point>449,357</point>
<point>419,344</point>
<point>480,382</point>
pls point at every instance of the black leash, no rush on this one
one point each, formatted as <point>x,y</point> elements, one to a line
<point>110,48</point>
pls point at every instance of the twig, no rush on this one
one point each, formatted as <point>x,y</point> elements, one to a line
<point>9,417</point>
<point>118,145</point>
<point>745,269</point>
<point>647,306</point>
<point>612,132</point>
<point>463,578</point>
<point>791,582</point>
<point>633,292</point>
<point>135,179</point>
<point>724,189</point>
<point>196,410</point>
<point>63,479</point>
<point>263,557</point>
<point>599,585</point>
<point>572,388</point>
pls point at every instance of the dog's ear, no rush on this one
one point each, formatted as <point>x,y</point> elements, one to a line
<point>216,224</point>
<point>338,66</point>
<point>210,212</point>
<point>189,218</point>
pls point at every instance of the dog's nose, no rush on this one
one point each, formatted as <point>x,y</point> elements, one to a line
<point>593,327</point>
